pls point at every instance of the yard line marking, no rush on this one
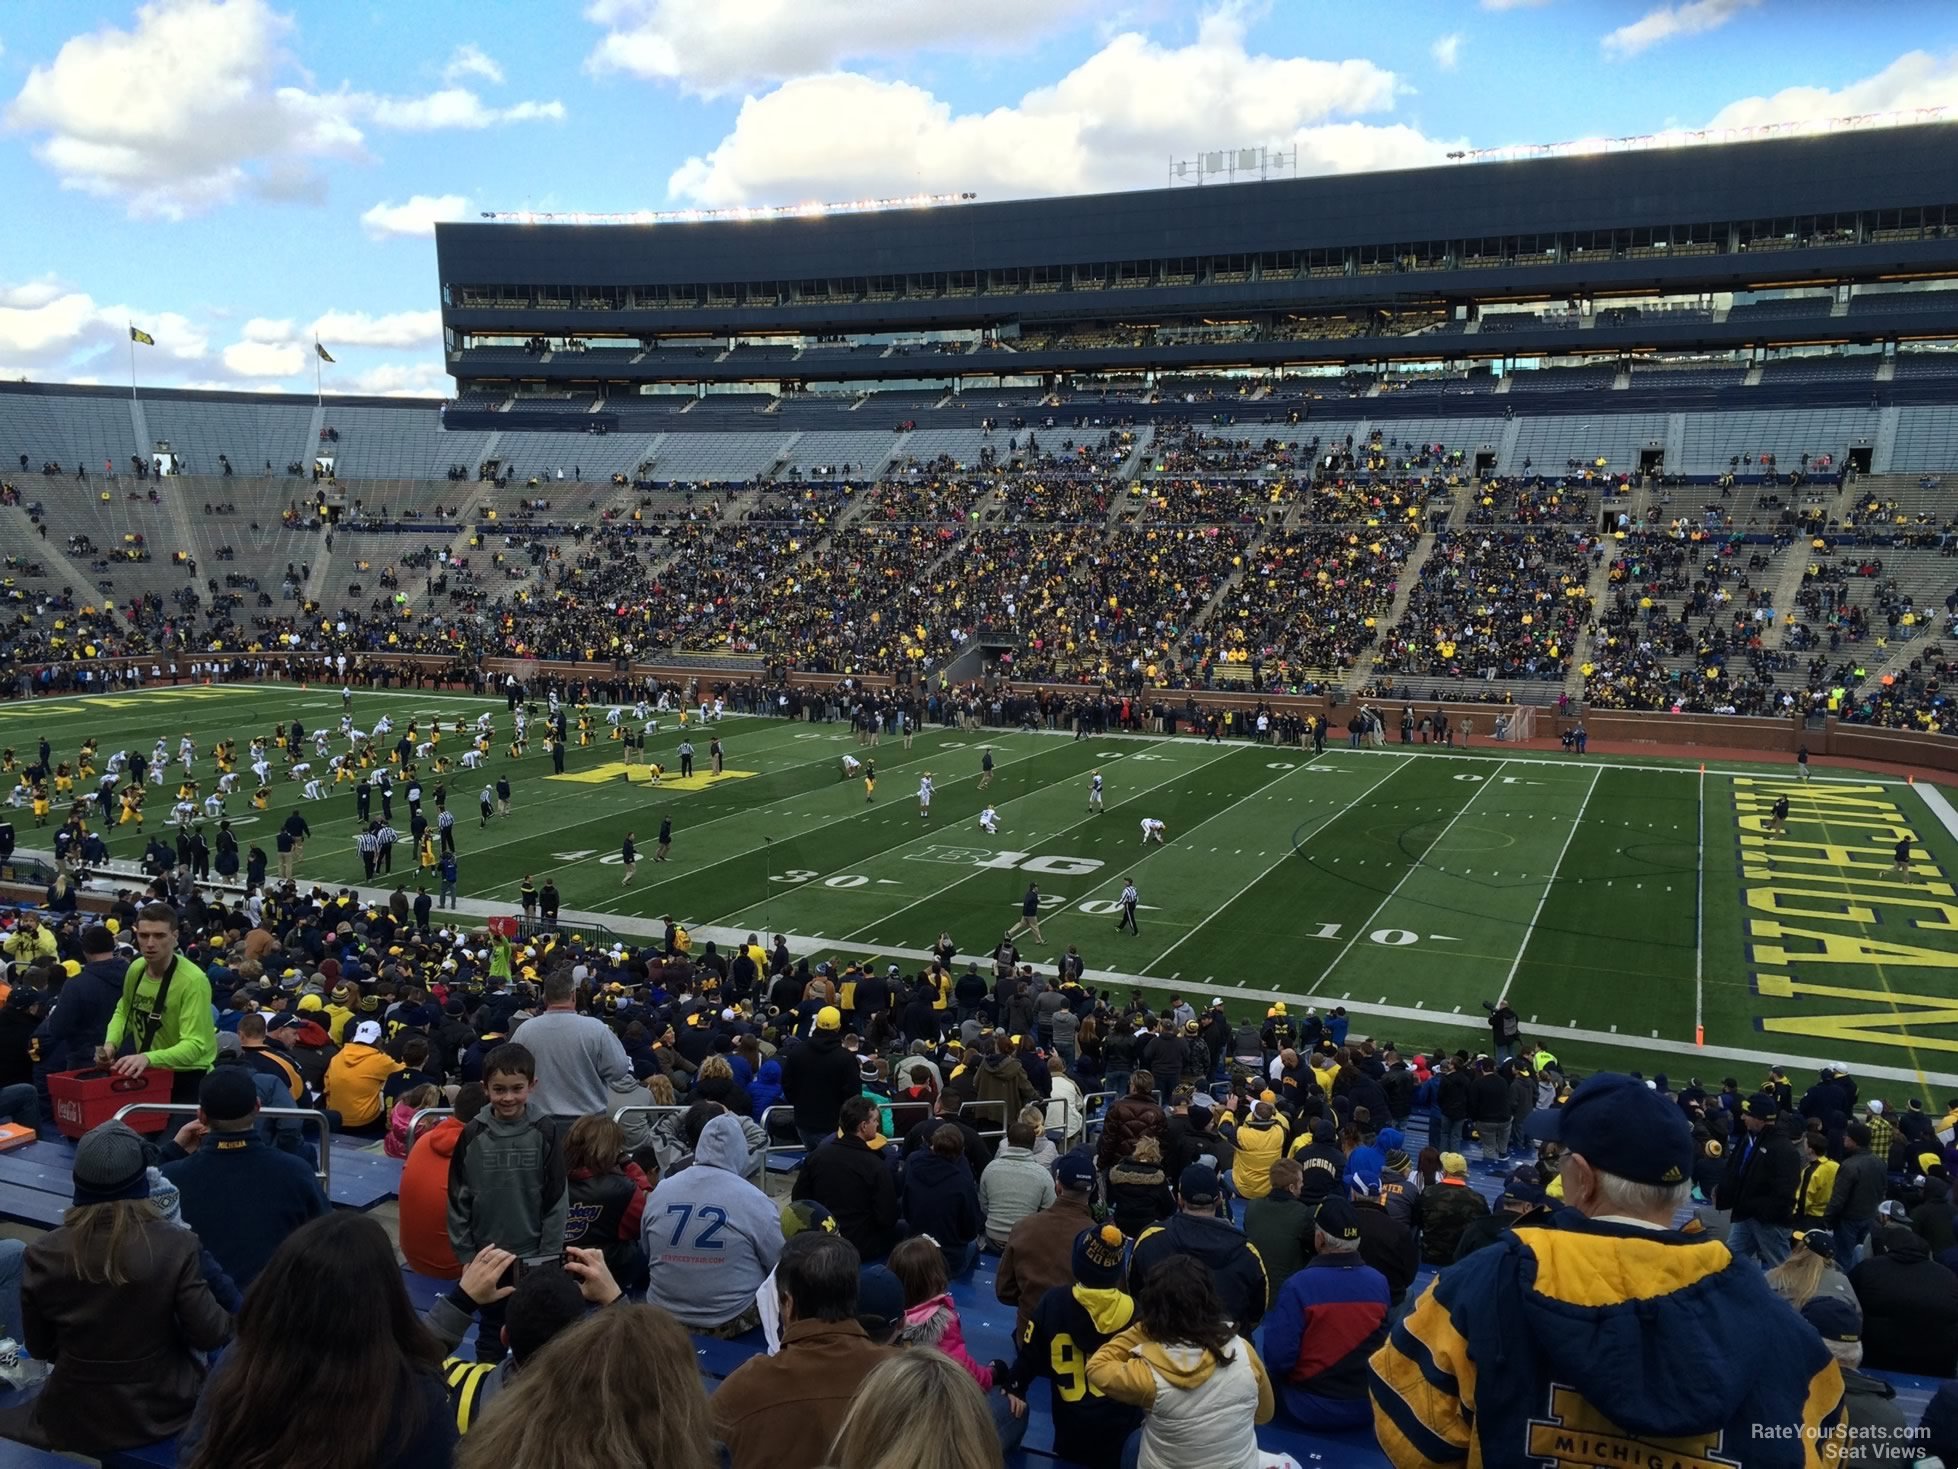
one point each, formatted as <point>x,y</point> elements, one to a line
<point>612,814</point>
<point>1158,850</point>
<point>1048,837</point>
<point>806,831</point>
<point>1530,928</point>
<point>1329,818</point>
<point>1413,867</point>
<point>1699,924</point>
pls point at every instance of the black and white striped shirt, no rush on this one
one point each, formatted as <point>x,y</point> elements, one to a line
<point>368,843</point>
<point>388,836</point>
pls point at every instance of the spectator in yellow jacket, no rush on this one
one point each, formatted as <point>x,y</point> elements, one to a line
<point>1260,1142</point>
<point>31,941</point>
<point>355,1077</point>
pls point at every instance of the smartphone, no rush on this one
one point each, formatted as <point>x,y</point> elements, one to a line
<point>517,1269</point>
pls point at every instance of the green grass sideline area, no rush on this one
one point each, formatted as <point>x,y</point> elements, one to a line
<point>1627,908</point>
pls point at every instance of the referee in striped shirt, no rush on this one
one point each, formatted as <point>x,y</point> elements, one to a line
<point>388,837</point>
<point>445,822</point>
<point>370,848</point>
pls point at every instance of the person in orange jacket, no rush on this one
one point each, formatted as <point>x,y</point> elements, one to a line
<point>424,1190</point>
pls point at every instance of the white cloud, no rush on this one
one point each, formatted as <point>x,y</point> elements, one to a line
<point>266,329</point>
<point>469,60</point>
<point>199,101</point>
<point>1447,51</point>
<point>1914,80</point>
<point>49,330</point>
<point>398,380</point>
<point>1513,4</point>
<point>1108,124</point>
<point>397,329</point>
<point>263,359</point>
<point>418,216</point>
<point>455,107</point>
<point>1689,19</point>
<point>719,49</point>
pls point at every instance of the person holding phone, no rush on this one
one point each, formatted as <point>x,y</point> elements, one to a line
<point>537,1300</point>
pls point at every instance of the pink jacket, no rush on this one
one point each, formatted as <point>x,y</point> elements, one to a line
<point>935,1323</point>
<point>396,1145</point>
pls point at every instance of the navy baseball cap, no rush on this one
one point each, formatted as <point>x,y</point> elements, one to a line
<point>1198,1184</point>
<point>1622,1127</point>
<point>1075,1171</point>
<point>1337,1218</point>
<point>1523,1186</point>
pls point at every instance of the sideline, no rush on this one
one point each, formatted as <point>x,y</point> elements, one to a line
<point>804,946</point>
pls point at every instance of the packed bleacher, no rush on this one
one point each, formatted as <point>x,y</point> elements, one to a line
<point>1494,604</point>
<point>744,1210</point>
<point>159,560</point>
<point>1307,607</point>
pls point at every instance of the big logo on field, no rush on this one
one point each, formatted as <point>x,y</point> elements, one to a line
<point>1006,861</point>
<point>1835,920</point>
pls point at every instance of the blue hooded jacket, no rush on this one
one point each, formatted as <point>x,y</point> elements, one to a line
<point>1588,1342</point>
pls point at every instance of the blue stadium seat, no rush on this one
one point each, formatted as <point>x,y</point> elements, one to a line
<point>20,1456</point>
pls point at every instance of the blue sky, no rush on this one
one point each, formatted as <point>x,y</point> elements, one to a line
<point>234,175</point>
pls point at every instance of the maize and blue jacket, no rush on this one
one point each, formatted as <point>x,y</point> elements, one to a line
<point>1590,1342</point>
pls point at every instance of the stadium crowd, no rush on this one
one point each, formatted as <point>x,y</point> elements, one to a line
<point>1107,581</point>
<point>1233,1231</point>
<point>1497,604</point>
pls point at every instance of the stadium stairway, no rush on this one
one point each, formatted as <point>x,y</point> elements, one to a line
<point>20,537</point>
<point>1362,674</point>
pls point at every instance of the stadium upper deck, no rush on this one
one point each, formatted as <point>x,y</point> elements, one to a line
<point>1754,245</point>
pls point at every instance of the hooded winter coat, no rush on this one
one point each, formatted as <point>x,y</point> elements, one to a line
<point>711,1237</point>
<point>1004,1079</point>
<point>1242,1284</point>
<point>818,1077</point>
<point>1198,1409</point>
<point>935,1323</point>
<point>1613,1336</point>
<point>424,1202</point>
<point>1910,1307</point>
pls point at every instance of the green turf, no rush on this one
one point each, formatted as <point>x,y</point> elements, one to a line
<point>1410,885</point>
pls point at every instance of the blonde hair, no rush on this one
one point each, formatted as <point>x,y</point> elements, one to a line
<point>1146,1150</point>
<point>660,1088</point>
<point>916,1410</point>
<point>99,1237</point>
<point>619,1389</point>
<point>714,1066</point>
<point>1797,1278</point>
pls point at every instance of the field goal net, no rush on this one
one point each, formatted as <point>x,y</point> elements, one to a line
<point>1517,725</point>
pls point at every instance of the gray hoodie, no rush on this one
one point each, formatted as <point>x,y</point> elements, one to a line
<point>711,1237</point>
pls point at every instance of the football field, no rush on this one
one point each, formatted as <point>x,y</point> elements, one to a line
<point>1635,911</point>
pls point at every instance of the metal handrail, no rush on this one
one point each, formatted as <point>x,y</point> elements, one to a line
<point>619,1114</point>
<point>415,1122</point>
<point>1094,1119</point>
<point>190,1109</point>
<point>771,1146</point>
<point>965,1107</point>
